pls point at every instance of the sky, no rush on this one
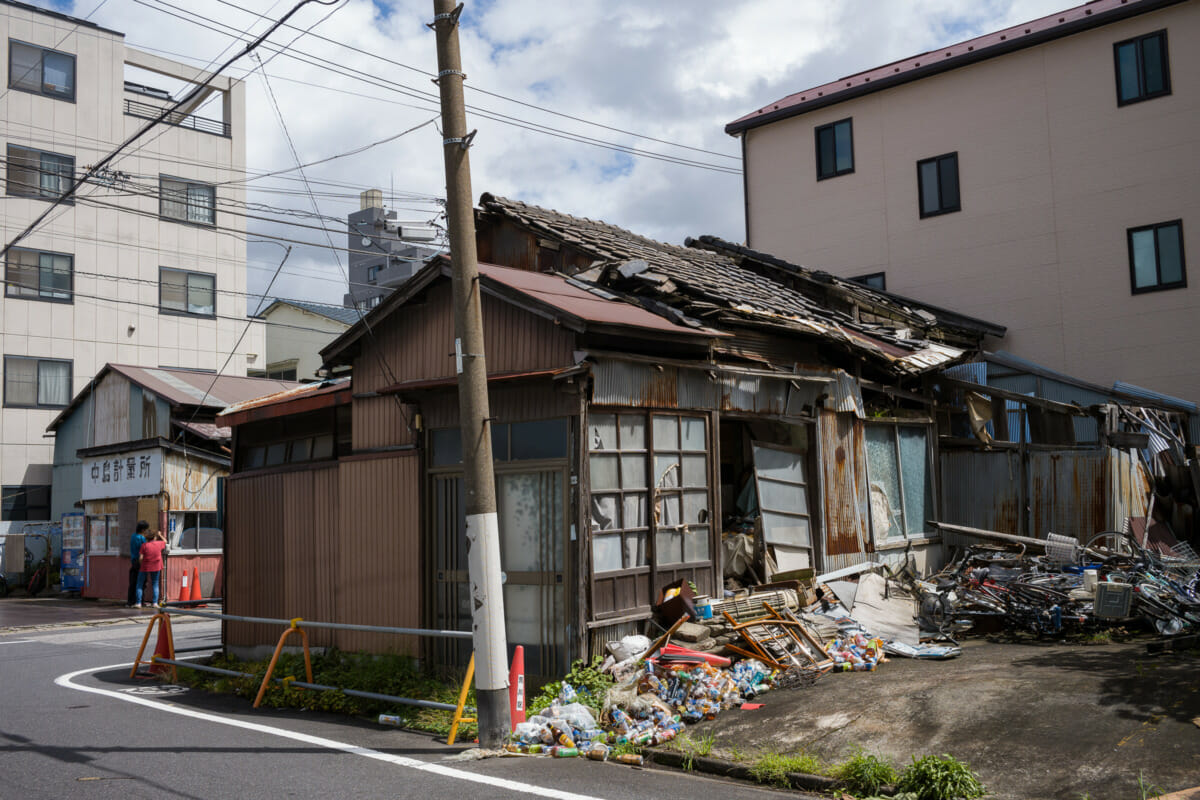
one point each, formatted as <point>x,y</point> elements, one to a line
<point>650,86</point>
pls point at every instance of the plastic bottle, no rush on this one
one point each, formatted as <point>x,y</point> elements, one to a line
<point>564,752</point>
<point>633,759</point>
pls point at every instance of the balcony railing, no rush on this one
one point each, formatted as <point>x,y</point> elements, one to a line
<point>136,108</point>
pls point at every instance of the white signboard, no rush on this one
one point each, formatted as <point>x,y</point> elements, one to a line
<point>133,474</point>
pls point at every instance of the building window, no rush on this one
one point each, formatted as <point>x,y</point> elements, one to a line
<point>182,292</point>
<point>196,531</point>
<point>34,173</point>
<point>875,280</point>
<point>835,149</point>
<point>1156,257</point>
<point>187,201</point>
<point>36,382</point>
<point>937,180</point>
<point>900,475</point>
<point>37,275</point>
<point>36,69</point>
<point>104,535</point>
<point>1142,70</point>
<point>25,504</point>
<point>372,273</point>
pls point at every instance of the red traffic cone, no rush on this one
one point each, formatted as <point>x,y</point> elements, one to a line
<point>183,589</point>
<point>163,649</point>
<point>516,687</point>
<point>196,594</point>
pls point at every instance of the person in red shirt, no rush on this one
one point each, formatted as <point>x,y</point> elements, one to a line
<point>151,555</point>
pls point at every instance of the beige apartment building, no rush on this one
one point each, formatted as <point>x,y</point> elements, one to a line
<point>145,266</point>
<point>1045,177</point>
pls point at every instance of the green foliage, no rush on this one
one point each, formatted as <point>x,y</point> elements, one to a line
<point>382,674</point>
<point>864,773</point>
<point>940,778</point>
<point>690,748</point>
<point>623,748</point>
<point>773,768</point>
<point>1146,791</point>
<point>587,679</point>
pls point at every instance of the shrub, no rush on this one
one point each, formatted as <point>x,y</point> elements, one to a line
<point>865,773</point>
<point>940,778</point>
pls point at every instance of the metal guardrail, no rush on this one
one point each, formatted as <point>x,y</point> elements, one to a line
<point>136,108</point>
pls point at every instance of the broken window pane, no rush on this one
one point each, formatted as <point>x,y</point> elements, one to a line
<point>606,552</point>
<point>604,472</point>
<point>604,512</point>
<point>666,471</point>
<point>602,432</point>
<point>884,475</point>
<point>695,507</point>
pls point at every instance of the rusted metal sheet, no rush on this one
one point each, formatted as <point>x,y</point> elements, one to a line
<point>845,517</point>
<point>980,489</point>
<point>1129,487</point>
<point>1067,493</point>
<point>190,482</point>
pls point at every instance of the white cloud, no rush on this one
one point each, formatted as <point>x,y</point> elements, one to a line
<point>677,71</point>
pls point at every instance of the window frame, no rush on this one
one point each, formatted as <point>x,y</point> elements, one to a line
<point>882,539</point>
<point>1159,286</point>
<point>111,545</point>
<point>1137,41</point>
<point>70,98</point>
<point>38,193</point>
<point>23,490</point>
<point>849,122</point>
<point>864,280</point>
<point>188,185</point>
<point>942,207</point>
<point>39,361</point>
<point>176,535</point>
<point>10,285</point>
<point>187,273</point>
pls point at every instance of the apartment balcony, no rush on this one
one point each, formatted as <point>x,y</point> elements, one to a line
<point>137,108</point>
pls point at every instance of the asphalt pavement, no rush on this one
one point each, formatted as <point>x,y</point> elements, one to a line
<point>74,724</point>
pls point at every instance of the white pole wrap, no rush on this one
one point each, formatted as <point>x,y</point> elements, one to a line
<point>487,601</point>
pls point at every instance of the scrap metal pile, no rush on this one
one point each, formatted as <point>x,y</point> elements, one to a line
<point>1110,581</point>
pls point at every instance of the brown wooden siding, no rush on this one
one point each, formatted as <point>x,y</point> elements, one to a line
<point>523,402</point>
<point>112,410</point>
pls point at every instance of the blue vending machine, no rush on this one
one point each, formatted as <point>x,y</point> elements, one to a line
<point>72,552</point>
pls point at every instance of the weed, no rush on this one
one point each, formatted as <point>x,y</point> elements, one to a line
<point>773,768</point>
<point>863,773</point>
<point>586,679</point>
<point>691,747</point>
<point>940,778</point>
<point>623,748</point>
<point>1146,791</point>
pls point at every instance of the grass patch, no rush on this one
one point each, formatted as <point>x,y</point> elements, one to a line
<point>940,778</point>
<point>691,748</point>
<point>382,674</point>
<point>773,768</point>
<point>865,773</point>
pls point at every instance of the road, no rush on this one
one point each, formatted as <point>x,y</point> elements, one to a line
<point>73,724</point>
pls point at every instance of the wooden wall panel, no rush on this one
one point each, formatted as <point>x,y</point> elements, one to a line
<point>111,408</point>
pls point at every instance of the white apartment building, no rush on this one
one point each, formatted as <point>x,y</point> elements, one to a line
<point>146,266</point>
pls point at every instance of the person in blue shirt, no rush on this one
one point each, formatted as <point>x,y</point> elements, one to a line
<point>135,562</point>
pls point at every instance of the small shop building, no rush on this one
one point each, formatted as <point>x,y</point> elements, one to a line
<point>141,443</point>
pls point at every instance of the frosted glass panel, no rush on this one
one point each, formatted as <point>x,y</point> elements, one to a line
<point>695,504</point>
<point>604,472</point>
<point>666,433</point>
<point>604,512</point>
<point>670,547</point>
<point>668,510</point>
<point>633,471</point>
<point>779,464</point>
<point>785,529</point>
<point>633,432</point>
<point>695,544</point>
<point>635,511</point>
<point>693,433</point>
<point>918,490</point>
<point>664,475</point>
<point>694,470</point>
<point>635,550</point>
<point>606,552</point>
<point>531,520</point>
<point>883,472</point>
<point>782,496</point>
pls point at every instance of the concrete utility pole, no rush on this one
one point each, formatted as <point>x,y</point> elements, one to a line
<point>483,529</point>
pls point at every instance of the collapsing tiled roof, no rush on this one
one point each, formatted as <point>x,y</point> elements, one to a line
<point>712,286</point>
<point>343,314</point>
<point>1054,26</point>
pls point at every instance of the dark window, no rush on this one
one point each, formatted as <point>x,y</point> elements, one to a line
<point>517,441</point>
<point>372,273</point>
<point>835,149</point>
<point>1156,257</point>
<point>876,280</point>
<point>38,275</point>
<point>36,382</point>
<point>1142,70</point>
<point>937,180</point>
<point>25,503</point>
<point>34,173</point>
<point>183,292</point>
<point>187,201</point>
<point>196,530</point>
<point>36,69</point>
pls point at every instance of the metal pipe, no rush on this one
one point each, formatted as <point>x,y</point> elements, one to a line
<point>331,625</point>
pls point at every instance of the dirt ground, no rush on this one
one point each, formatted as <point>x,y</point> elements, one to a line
<point>1035,720</point>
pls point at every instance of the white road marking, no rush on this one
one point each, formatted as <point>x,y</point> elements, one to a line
<point>366,752</point>
<point>16,641</point>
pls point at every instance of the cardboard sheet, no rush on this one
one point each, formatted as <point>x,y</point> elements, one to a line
<point>893,618</point>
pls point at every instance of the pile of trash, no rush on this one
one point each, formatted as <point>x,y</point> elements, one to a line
<point>649,707</point>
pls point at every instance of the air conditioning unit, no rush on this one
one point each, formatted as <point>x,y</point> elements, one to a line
<point>1113,600</point>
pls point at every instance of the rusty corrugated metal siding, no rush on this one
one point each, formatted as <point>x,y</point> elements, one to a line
<point>111,408</point>
<point>377,422</point>
<point>1067,493</point>
<point>845,519</point>
<point>190,482</point>
<point>980,490</point>
<point>1128,488</point>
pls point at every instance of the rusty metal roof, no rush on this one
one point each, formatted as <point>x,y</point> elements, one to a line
<point>305,397</point>
<point>703,284</point>
<point>205,430</point>
<point>990,45</point>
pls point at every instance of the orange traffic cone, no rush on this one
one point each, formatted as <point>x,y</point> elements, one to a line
<point>163,648</point>
<point>196,594</point>
<point>183,589</point>
<point>516,687</point>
